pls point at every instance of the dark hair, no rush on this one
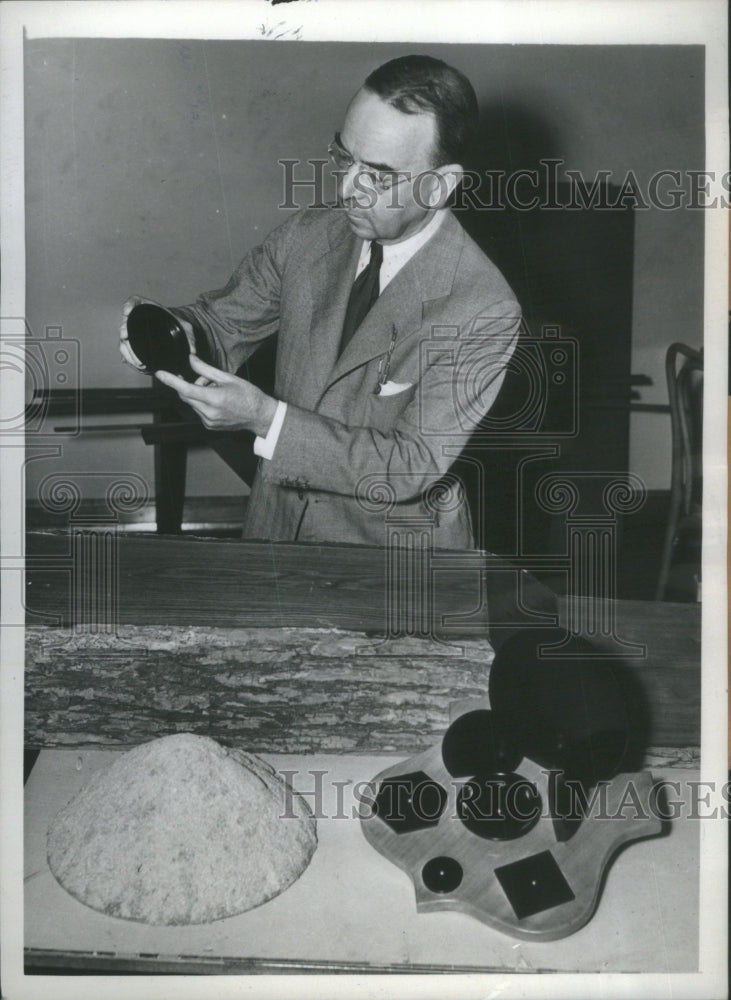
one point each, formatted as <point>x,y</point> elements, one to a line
<point>421,84</point>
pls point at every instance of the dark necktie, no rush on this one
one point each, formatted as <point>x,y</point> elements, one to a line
<point>362,295</point>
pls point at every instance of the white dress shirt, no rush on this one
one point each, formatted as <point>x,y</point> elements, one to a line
<point>395,256</point>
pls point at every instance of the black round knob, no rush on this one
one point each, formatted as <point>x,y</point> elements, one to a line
<point>477,743</point>
<point>442,874</point>
<point>499,806</point>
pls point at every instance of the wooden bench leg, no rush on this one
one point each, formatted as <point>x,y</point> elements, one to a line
<point>170,467</point>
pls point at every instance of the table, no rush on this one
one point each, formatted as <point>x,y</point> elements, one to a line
<point>334,918</point>
<point>296,653</point>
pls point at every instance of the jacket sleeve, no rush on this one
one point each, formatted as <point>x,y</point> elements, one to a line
<point>456,388</point>
<point>237,318</point>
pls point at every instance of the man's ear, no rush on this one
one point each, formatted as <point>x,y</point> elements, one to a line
<point>440,183</point>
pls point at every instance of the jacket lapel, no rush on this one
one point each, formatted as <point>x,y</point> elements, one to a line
<point>428,275</point>
<point>331,278</point>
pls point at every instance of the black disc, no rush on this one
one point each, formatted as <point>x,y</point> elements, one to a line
<point>476,743</point>
<point>158,340</point>
<point>566,712</point>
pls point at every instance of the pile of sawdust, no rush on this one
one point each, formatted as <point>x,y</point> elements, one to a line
<point>181,831</point>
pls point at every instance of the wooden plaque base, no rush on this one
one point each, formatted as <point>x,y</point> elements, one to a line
<point>620,813</point>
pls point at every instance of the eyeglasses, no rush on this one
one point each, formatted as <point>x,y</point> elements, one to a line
<point>382,180</point>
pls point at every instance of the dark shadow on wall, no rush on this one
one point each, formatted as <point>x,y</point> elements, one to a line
<point>511,136</point>
<point>566,394</point>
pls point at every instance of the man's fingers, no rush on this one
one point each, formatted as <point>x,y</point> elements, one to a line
<point>132,301</point>
<point>206,413</point>
<point>191,393</point>
<point>188,331</point>
<point>209,372</point>
<point>203,411</point>
<point>129,356</point>
<point>173,381</point>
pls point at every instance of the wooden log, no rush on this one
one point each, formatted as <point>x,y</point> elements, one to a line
<point>277,647</point>
<point>307,690</point>
<point>269,690</point>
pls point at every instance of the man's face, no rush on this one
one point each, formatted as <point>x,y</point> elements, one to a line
<point>380,137</point>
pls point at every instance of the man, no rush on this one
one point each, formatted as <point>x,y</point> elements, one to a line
<point>394,329</point>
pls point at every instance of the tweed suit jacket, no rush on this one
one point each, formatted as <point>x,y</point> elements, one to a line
<point>352,457</point>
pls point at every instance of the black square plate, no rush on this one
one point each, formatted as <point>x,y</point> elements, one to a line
<point>534,884</point>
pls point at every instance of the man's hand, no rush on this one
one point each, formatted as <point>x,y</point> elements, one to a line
<point>222,401</point>
<point>128,355</point>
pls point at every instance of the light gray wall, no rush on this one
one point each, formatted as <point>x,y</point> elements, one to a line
<point>152,166</point>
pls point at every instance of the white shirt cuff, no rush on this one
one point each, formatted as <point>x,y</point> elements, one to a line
<point>264,446</point>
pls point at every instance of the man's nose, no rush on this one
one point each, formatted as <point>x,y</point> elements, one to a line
<point>354,187</point>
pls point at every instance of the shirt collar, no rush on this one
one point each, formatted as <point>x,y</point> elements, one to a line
<point>395,255</point>
<point>405,250</point>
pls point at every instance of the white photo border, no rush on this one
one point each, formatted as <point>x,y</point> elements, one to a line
<point>662,22</point>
